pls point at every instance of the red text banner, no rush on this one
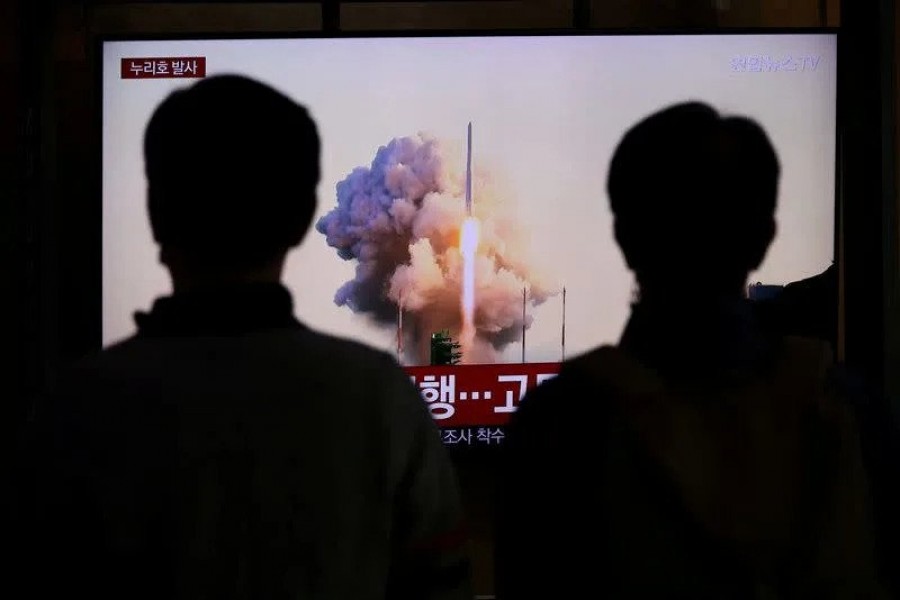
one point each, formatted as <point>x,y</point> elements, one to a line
<point>479,395</point>
<point>178,67</point>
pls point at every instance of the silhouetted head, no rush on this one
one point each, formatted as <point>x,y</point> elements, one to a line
<point>232,167</point>
<point>693,194</point>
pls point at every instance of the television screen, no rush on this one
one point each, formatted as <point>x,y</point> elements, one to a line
<point>463,223</point>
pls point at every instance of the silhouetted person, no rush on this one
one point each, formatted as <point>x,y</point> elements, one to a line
<point>809,308</point>
<point>701,457</point>
<point>227,450</point>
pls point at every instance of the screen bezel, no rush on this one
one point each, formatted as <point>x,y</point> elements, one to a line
<point>101,40</point>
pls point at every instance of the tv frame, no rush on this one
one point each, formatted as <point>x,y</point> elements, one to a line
<point>96,210</point>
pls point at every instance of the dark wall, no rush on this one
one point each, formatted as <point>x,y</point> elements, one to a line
<point>869,203</point>
<point>11,207</point>
<point>20,203</point>
<point>891,195</point>
<point>54,219</point>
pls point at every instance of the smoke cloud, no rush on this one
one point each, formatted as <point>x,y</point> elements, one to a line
<point>399,220</point>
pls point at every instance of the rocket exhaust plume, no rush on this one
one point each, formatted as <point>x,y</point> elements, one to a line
<point>468,248</point>
<point>405,223</point>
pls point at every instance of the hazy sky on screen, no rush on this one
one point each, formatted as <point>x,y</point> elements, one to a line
<point>547,113</point>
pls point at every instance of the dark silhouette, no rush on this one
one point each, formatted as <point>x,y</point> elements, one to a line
<point>226,450</point>
<point>809,308</point>
<point>703,457</point>
<point>806,308</point>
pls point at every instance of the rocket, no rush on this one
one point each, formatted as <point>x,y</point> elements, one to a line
<point>469,171</point>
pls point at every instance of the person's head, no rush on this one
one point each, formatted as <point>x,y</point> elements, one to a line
<point>693,194</point>
<point>232,168</point>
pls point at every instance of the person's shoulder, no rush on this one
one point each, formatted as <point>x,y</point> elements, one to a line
<point>291,358</point>
<point>288,345</point>
<point>124,364</point>
<point>552,396</point>
<point>575,393</point>
<point>582,377</point>
<point>351,357</point>
<point>131,350</point>
<point>87,391</point>
<point>339,346</point>
<point>94,365</point>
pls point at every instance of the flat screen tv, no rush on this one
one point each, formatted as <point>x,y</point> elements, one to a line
<point>463,224</point>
